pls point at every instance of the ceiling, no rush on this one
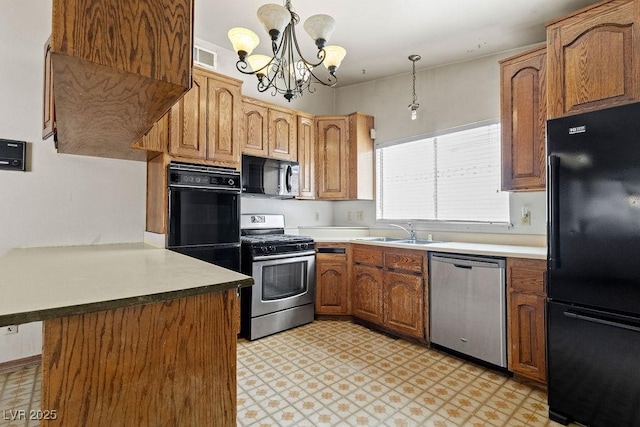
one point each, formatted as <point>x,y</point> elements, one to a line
<point>380,35</point>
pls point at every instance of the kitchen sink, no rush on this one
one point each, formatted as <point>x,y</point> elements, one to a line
<point>417,241</point>
<point>383,239</point>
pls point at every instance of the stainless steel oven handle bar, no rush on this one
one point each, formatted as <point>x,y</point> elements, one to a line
<point>282,256</point>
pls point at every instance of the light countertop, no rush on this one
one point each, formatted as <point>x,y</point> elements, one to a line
<point>514,251</point>
<point>43,283</point>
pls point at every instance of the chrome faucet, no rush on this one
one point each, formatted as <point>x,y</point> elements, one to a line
<point>412,233</point>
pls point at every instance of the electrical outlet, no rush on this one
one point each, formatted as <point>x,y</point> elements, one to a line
<point>525,216</point>
<point>349,216</point>
<point>317,216</point>
<point>359,215</point>
<point>9,330</point>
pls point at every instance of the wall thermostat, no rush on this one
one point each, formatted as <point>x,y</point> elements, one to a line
<point>12,154</point>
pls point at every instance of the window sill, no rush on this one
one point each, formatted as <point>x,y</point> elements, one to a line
<point>453,226</point>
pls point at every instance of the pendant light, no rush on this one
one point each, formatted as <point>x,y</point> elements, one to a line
<point>413,107</point>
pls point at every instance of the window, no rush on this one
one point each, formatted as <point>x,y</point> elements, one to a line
<point>450,177</point>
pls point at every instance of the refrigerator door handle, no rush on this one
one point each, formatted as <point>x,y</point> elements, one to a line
<point>601,321</point>
<point>554,211</point>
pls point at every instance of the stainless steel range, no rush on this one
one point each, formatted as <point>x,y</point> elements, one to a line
<point>283,268</point>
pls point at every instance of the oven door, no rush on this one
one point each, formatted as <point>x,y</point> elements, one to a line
<point>203,217</point>
<point>282,281</point>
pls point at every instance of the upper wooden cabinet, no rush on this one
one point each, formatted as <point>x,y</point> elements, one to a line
<point>345,157</point>
<point>523,110</point>
<point>268,130</point>
<point>116,68</point>
<point>203,127</point>
<point>593,58</point>
<point>306,156</point>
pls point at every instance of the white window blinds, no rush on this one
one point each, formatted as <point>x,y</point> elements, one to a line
<point>451,177</point>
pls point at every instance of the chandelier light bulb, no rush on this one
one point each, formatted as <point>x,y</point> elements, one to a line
<point>414,114</point>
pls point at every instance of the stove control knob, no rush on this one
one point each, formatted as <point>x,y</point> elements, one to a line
<point>231,182</point>
<point>264,249</point>
<point>305,246</point>
<point>272,248</point>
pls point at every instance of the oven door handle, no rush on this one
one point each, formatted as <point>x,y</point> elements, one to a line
<point>282,256</point>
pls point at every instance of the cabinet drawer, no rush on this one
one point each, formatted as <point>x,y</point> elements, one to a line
<point>526,275</point>
<point>406,260</point>
<point>367,255</point>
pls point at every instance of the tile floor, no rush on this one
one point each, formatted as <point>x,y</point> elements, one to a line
<point>336,373</point>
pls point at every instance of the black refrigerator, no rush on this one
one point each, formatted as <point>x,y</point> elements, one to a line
<point>593,277</point>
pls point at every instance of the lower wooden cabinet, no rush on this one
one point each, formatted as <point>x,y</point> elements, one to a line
<point>402,303</point>
<point>526,318</point>
<point>389,288</point>
<point>367,293</point>
<point>332,279</point>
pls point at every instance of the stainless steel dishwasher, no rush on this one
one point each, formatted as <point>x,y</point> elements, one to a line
<point>468,305</point>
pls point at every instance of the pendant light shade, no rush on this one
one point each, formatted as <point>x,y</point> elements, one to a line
<point>335,55</point>
<point>286,71</point>
<point>319,28</point>
<point>257,63</point>
<point>274,18</point>
<point>243,40</point>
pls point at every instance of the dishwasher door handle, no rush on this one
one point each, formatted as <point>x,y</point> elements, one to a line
<point>469,263</point>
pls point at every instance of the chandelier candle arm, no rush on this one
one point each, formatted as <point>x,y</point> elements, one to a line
<point>287,71</point>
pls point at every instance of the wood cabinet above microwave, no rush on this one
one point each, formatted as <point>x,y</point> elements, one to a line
<point>115,68</point>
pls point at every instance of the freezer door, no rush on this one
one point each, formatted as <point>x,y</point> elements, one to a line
<point>593,370</point>
<point>594,208</point>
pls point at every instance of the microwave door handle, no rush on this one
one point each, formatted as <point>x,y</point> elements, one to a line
<point>288,178</point>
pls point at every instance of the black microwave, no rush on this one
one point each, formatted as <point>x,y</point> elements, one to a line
<point>270,177</point>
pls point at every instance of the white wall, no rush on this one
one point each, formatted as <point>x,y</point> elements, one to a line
<point>61,199</point>
<point>449,96</point>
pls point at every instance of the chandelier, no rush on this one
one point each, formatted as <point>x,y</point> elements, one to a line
<point>413,107</point>
<point>287,72</point>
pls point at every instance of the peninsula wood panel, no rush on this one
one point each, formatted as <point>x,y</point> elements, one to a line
<point>48,110</point>
<point>523,119</point>
<point>593,58</point>
<point>166,363</point>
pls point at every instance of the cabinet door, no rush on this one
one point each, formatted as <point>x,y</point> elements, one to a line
<point>282,135</point>
<point>593,59</point>
<point>188,126</point>
<point>331,165</point>
<point>224,108</point>
<point>403,303</point>
<point>332,292</point>
<point>367,293</point>
<point>527,341</point>
<point>306,157</point>
<point>254,129</point>
<point>48,111</point>
<point>523,118</point>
